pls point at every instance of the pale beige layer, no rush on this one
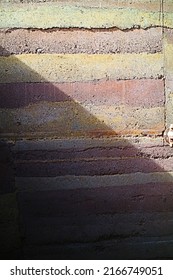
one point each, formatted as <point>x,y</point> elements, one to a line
<point>44,15</point>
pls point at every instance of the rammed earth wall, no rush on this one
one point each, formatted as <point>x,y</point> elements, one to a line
<point>86,93</point>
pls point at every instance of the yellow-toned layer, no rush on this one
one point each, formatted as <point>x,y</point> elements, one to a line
<point>70,15</point>
<point>79,67</point>
<point>66,119</point>
<point>169,60</point>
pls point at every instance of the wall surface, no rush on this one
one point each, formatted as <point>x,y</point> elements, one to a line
<point>86,93</point>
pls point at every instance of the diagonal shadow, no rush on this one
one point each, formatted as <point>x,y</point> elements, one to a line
<point>80,222</point>
<point>20,95</point>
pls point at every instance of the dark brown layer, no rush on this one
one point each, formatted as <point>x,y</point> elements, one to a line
<point>80,41</point>
<point>97,152</point>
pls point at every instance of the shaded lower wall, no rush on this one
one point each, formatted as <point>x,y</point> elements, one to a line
<point>95,199</point>
<point>87,199</point>
<point>86,173</point>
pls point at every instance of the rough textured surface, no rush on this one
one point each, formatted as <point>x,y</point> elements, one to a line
<point>104,107</point>
<point>89,121</point>
<point>80,41</point>
<point>59,15</point>
<point>168,50</point>
<point>147,4</point>
<point>79,67</point>
<point>70,77</point>
<point>144,93</point>
<point>169,102</point>
<point>123,209</point>
<point>96,3</point>
<point>80,143</point>
<point>92,160</point>
<point>72,182</point>
<point>91,167</point>
<point>168,60</point>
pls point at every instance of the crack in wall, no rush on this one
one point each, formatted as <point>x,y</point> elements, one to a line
<point>92,29</point>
